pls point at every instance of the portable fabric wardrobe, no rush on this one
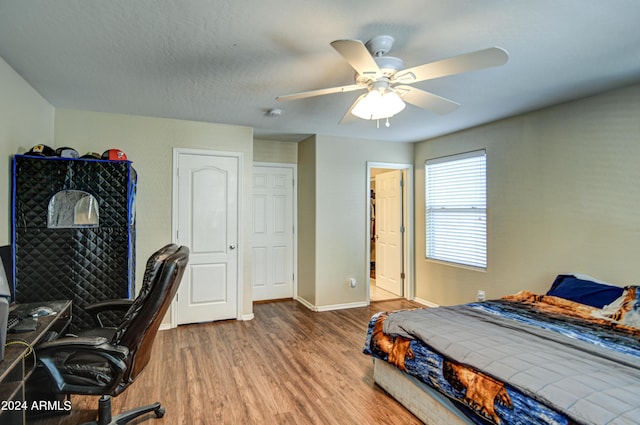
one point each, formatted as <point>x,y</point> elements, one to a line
<point>83,251</point>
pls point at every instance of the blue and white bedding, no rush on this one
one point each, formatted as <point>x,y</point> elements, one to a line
<point>523,359</point>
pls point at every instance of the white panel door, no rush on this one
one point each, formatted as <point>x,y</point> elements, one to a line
<point>272,232</point>
<point>388,231</point>
<point>207,208</point>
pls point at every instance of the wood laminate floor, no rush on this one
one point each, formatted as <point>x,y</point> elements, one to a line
<point>289,365</point>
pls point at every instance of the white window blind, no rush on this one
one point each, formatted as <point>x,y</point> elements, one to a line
<point>456,209</point>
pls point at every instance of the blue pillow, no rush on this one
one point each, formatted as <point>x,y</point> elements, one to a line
<point>584,291</point>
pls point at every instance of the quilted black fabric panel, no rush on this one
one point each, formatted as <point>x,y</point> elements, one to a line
<point>82,264</point>
<point>38,179</point>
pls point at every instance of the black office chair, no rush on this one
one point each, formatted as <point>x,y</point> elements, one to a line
<point>105,361</point>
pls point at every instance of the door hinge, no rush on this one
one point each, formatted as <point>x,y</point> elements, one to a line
<point>402,229</point>
<point>402,275</point>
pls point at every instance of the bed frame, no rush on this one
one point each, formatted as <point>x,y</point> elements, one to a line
<point>426,404</point>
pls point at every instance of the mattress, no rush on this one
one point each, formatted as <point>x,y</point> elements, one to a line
<point>526,358</point>
<point>423,401</point>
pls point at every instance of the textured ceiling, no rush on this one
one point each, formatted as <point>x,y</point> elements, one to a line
<point>226,61</point>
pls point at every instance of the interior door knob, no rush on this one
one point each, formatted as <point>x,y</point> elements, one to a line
<point>232,246</point>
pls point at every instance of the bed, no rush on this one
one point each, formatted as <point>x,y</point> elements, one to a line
<point>569,356</point>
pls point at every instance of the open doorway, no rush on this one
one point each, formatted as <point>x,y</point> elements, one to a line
<point>389,249</point>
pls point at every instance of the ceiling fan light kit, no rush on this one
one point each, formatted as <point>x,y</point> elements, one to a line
<point>385,78</point>
<point>378,104</point>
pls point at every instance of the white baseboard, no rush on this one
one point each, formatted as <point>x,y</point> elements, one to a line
<point>330,307</point>
<point>341,306</point>
<point>249,316</point>
<point>306,303</point>
<point>425,302</point>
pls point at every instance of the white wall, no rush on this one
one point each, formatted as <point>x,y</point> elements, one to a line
<point>340,214</point>
<point>26,119</point>
<point>563,196</point>
<point>149,143</point>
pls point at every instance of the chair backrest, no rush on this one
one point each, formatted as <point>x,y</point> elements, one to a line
<point>151,271</point>
<point>139,328</point>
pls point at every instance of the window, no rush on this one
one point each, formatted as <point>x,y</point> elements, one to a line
<point>456,209</point>
<point>72,208</point>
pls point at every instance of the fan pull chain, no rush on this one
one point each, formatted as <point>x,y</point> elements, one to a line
<point>386,124</point>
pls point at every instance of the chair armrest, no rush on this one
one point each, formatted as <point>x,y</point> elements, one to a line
<point>97,345</point>
<point>121,304</point>
<point>53,355</point>
<point>96,309</point>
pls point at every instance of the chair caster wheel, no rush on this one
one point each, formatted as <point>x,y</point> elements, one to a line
<point>159,412</point>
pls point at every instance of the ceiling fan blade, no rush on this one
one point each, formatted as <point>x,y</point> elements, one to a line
<point>487,58</point>
<point>349,117</point>
<point>356,53</point>
<point>425,100</point>
<point>320,92</point>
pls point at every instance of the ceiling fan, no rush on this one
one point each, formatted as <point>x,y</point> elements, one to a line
<point>387,82</point>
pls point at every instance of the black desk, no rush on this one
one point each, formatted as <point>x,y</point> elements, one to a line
<point>18,364</point>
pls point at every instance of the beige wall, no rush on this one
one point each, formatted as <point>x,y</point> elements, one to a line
<point>307,220</point>
<point>563,196</point>
<point>26,119</point>
<point>562,185</point>
<point>149,143</point>
<point>275,151</point>
<point>339,224</point>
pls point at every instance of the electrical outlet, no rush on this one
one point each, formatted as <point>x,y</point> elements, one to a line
<point>481,295</point>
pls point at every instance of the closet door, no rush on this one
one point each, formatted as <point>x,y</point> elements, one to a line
<point>272,232</point>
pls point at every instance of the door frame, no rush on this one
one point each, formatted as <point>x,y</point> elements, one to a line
<point>408,288</point>
<point>174,218</point>
<point>294,168</point>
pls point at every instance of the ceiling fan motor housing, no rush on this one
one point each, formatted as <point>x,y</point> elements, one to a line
<point>388,65</point>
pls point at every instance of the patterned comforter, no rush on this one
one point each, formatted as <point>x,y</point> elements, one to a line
<point>523,359</point>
